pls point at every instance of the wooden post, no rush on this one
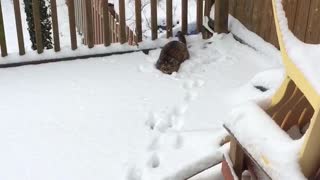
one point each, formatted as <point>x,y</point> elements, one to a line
<point>17,13</point>
<point>236,157</point>
<point>89,25</point>
<point>37,24</point>
<point>184,16</point>
<point>138,20</point>
<point>169,18</point>
<point>72,25</point>
<point>55,26</point>
<point>122,19</point>
<point>221,14</point>
<point>106,23</point>
<point>154,23</point>
<point>3,43</point>
<point>207,9</point>
<point>199,15</point>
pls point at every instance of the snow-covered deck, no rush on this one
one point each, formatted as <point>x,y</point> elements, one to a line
<point>119,118</point>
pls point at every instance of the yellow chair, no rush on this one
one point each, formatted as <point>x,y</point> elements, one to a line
<point>296,102</point>
<point>310,153</point>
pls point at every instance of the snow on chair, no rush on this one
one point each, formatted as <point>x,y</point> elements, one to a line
<point>259,142</point>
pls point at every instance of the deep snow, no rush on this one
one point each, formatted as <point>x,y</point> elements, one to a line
<point>119,118</point>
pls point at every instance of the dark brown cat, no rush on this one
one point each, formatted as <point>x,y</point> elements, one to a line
<point>172,55</point>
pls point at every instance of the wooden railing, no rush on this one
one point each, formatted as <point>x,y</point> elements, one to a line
<point>99,23</point>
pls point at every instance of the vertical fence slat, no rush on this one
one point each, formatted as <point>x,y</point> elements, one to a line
<point>89,25</point>
<point>3,44</point>
<point>138,20</point>
<point>256,15</point>
<point>248,12</point>
<point>72,24</point>
<point>221,16</point>
<point>17,12</point>
<point>199,15</point>
<point>232,7</point>
<point>207,9</point>
<point>154,23</point>
<point>169,18</point>
<point>55,26</point>
<point>184,16</point>
<point>122,18</point>
<point>106,23</point>
<point>265,23</point>
<point>111,27</point>
<point>301,23</point>
<point>290,7</point>
<point>313,30</point>
<point>37,24</point>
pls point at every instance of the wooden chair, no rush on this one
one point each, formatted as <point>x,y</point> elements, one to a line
<point>296,103</point>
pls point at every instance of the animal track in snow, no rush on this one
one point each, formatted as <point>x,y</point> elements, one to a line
<point>178,141</point>
<point>134,174</point>
<point>189,84</point>
<point>180,110</point>
<point>199,83</point>
<point>163,125</point>
<point>155,143</point>
<point>152,120</point>
<point>190,96</point>
<point>154,161</point>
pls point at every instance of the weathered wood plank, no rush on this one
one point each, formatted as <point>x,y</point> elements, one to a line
<point>37,24</point>
<point>138,20</point>
<point>313,29</point>
<point>237,157</point>
<point>221,14</point>
<point>301,21</point>
<point>199,15</point>
<point>16,5</point>
<point>169,18</point>
<point>3,44</point>
<point>265,25</point>
<point>256,15</point>
<point>72,24</point>
<point>122,21</point>
<point>184,16</point>
<point>232,7</point>
<point>240,11</point>
<point>89,24</point>
<point>154,18</point>
<point>106,23</point>
<point>290,7</point>
<point>248,8</point>
<point>55,26</point>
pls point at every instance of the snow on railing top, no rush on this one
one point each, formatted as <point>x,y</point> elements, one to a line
<point>305,56</point>
<point>161,14</point>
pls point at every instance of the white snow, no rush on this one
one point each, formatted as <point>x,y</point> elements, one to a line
<point>270,146</point>
<point>250,38</point>
<point>304,56</point>
<point>118,117</point>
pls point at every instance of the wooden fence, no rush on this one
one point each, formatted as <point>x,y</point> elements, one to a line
<point>98,22</point>
<point>257,15</point>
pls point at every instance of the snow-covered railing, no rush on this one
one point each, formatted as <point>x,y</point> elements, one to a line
<point>102,22</point>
